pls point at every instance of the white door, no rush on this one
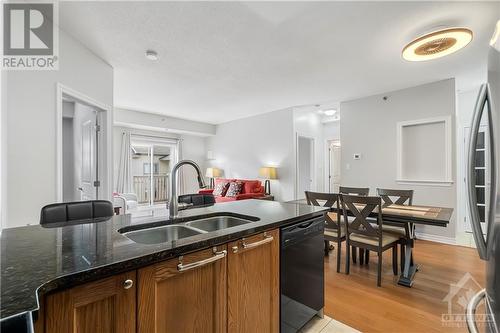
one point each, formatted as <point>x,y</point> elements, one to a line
<point>88,173</point>
<point>305,165</point>
<point>334,166</point>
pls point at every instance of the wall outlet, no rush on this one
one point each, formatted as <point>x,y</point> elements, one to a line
<point>357,156</point>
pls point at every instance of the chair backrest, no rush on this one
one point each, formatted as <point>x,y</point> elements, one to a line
<point>78,210</point>
<point>330,200</point>
<point>197,200</point>
<point>354,190</point>
<point>361,207</point>
<point>398,197</point>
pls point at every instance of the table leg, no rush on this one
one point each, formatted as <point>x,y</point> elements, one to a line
<point>406,278</point>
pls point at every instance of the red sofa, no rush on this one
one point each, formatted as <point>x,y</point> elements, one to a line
<point>251,189</point>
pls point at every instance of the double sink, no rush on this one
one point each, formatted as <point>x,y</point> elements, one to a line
<point>196,225</point>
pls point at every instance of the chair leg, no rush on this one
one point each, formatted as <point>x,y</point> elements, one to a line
<point>339,253</point>
<point>353,254</point>
<point>379,269</point>
<point>367,257</point>
<point>347,257</point>
<point>395,259</point>
<point>402,256</point>
<point>361,256</point>
<point>327,248</point>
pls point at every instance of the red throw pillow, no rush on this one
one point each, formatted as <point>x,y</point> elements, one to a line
<point>220,189</point>
<point>234,189</point>
<point>251,186</point>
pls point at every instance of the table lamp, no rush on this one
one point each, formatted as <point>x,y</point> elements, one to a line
<point>268,173</point>
<point>212,173</point>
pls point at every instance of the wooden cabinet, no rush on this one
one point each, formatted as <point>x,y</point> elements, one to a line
<point>186,294</point>
<point>104,306</point>
<point>253,283</point>
<point>228,288</point>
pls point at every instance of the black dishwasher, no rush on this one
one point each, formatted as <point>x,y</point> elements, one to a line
<point>302,273</point>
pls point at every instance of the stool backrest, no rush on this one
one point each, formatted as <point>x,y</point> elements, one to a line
<point>78,210</point>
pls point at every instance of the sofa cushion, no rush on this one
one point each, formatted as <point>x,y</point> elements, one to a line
<point>234,189</point>
<point>225,199</point>
<point>220,189</point>
<point>251,186</point>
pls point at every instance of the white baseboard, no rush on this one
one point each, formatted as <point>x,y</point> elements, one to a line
<point>437,239</point>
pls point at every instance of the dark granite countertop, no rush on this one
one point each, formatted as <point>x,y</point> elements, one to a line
<point>36,260</point>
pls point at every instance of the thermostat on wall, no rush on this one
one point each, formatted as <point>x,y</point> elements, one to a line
<point>357,156</point>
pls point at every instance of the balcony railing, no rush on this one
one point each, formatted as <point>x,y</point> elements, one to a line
<point>142,188</point>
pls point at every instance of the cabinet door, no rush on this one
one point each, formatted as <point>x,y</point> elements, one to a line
<point>253,284</point>
<point>186,294</point>
<point>104,306</point>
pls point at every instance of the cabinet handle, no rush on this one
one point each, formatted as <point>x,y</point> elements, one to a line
<point>127,284</point>
<point>217,256</point>
<point>267,239</point>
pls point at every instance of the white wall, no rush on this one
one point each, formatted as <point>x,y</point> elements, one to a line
<point>307,123</point>
<point>368,127</point>
<point>156,122</point>
<point>242,146</point>
<point>30,108</point>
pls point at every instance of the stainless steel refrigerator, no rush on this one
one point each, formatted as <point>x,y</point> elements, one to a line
<point>484,186</point>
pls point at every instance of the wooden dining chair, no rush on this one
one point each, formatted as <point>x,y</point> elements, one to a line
<point>334,228</point>
<point>397,197</point>
<point>354,190</point>
<point>361,233</point>
<point>364,257</point>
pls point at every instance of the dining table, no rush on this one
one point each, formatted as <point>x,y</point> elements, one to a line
<point>410,216</point>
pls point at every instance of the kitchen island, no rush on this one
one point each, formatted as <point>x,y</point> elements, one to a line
<point>44,268</point>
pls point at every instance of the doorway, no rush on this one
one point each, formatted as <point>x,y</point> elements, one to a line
<point>83,140</point>
<point>151,162</point>
<point>333,165</point>
<point>305,166</point>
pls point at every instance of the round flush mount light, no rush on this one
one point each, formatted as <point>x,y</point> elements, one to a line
<point>151,55</point>
<point>437,44</point>
<point>329,113</point>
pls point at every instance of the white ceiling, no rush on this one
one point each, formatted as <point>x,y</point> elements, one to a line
<point>221,61</point>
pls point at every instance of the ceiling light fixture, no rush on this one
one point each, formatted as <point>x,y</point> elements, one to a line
<point>151,55</point>
<point>437,44</point>
<point>329,113</point>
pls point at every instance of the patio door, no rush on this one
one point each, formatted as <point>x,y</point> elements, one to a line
<point>152,160</point>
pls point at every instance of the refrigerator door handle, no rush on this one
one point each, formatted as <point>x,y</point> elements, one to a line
<point>471,176</point>
<point>470,312</point>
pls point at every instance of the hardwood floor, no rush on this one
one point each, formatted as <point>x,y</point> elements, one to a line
<point>355,299</point>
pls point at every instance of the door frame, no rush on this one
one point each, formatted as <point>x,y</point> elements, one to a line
<point>313,163</point>
<point>105,149</point>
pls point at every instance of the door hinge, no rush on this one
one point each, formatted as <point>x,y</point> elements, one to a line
<point>97,183</point>
<point>97,128</point>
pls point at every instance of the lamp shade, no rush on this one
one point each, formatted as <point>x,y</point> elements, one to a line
<point>268,173</point>
<point>212,173</point>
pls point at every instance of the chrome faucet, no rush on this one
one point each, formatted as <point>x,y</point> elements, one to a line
<point>174,204</point>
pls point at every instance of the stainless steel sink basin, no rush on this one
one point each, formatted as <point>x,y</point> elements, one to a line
<point>161,234</point>
<point>217,223</point>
